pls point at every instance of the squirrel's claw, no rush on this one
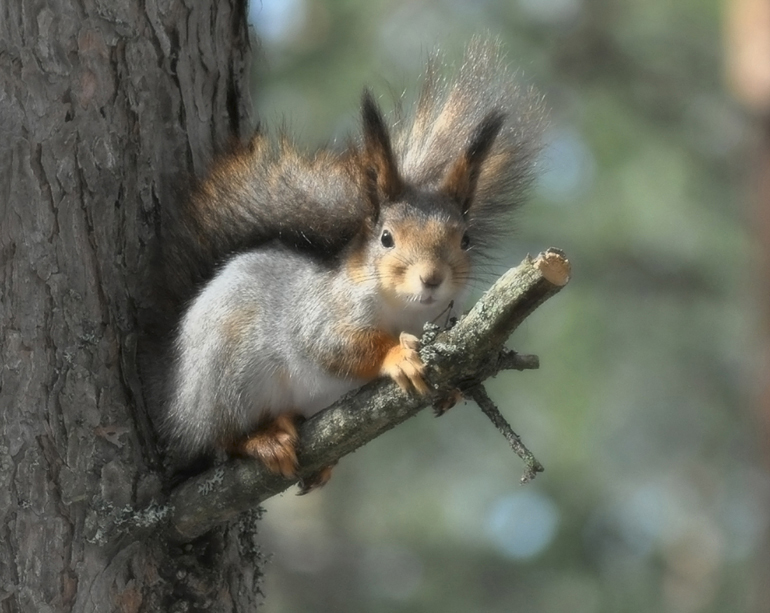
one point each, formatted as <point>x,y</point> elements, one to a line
<point>404,366</point>
<point>443,404</point>
<point>316,480</point>
<point>409,341</point>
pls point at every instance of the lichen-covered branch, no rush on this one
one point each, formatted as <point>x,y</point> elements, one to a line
<point>457,359</point>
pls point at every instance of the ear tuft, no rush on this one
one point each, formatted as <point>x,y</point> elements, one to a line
<point>460,182</point>
<point>380,164</point>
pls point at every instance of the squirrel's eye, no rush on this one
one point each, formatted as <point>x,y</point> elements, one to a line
<point>465,242</point>
<point>386,239</point>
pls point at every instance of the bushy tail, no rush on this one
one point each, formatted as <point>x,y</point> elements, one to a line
<point>266,190</point>
<point>253,194</point>
<point>436,133</point>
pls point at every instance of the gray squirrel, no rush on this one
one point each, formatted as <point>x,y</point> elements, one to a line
<point>298,277</point>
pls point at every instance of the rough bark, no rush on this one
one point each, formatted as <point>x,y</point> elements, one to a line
<point>98,102</point>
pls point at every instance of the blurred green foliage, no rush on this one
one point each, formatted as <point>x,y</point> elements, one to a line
<point>653,497</point>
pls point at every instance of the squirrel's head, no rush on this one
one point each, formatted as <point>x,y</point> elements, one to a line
<point>416,241</point>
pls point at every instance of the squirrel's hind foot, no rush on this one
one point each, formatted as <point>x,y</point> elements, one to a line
<point>274,443</point>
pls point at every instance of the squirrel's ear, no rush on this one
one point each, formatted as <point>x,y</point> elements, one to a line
<point>380,163</point>
<point>460,181</point>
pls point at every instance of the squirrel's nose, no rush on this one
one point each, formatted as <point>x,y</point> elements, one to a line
<point>432,279</point>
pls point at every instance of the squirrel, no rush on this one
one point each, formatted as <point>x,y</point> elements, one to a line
<point>301,277</point>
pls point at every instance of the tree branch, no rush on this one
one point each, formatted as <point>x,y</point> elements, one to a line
<point>457,359</point>
<point>480,396</point>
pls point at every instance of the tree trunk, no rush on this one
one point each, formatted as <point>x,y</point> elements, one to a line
<point>99,101</point>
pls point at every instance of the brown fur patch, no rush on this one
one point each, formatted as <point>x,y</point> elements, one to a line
<point>433,248</point>
<point>356,262</point>
<point>238,322</point>
<point>458,183</point>
<point>432,239</point>
<point>362,354</point>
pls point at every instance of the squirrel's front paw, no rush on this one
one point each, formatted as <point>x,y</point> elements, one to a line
<point>403,364</point>
<point>275,445</point>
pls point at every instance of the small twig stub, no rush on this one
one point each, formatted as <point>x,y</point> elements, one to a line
<point>532,466</point>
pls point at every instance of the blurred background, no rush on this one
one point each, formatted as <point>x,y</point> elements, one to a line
<point>650,408</point>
